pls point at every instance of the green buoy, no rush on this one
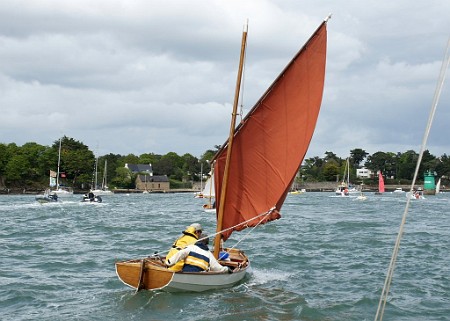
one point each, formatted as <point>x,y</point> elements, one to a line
<point>429,185</point>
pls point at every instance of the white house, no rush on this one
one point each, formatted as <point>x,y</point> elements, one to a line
<point>364,173</point>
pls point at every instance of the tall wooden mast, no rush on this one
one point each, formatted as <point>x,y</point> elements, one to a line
<point>230,145</point>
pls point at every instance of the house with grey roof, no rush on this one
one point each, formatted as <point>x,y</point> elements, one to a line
<point>140,168</point>
<point>146,181</point>
<point>158,183</point>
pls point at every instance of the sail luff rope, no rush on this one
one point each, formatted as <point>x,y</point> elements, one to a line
<point>390,273</point>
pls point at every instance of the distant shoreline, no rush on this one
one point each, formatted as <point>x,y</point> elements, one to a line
<point>309,187</point>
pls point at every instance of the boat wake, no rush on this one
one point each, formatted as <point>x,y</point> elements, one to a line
<point>263,276</point>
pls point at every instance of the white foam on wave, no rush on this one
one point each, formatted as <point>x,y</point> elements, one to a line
<point>263,276</point>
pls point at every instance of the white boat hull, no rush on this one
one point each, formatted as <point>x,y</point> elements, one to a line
<point>63,193</point>
<point>415,196</point>
<point>204,281</point>
<point>102,192</point>
<point>45,199</point>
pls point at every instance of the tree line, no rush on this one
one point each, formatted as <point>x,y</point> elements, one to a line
<point>28,166</point>
<point>396,168</point>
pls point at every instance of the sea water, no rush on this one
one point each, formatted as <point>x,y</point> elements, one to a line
<point>325,259</point>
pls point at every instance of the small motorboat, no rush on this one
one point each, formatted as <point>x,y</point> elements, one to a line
<point>47,197</point>
<point>91,198</point>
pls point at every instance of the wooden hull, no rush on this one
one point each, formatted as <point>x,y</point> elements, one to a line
<point>151,274</point>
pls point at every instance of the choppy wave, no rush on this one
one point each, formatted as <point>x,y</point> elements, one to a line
<point>325,259</point>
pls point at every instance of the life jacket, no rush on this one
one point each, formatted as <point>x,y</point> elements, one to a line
<point>189,237</point>
<point>196,262</point>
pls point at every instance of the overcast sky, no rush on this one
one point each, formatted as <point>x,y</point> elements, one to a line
<point>143,76</point>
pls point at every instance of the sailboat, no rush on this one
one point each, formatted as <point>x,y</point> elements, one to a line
<point>145,183</point>
<point>51,195</point>
<point>343,188</point>
<point>380,184</point>
<point>61,190</point>
<point>438,186</point>
<point>208,193</point>
<point>361,195</point>
<point>253,172</point>
<point>47,197</point>
<point>103,190</point>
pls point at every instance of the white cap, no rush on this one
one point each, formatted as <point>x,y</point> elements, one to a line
<point>197,226</point>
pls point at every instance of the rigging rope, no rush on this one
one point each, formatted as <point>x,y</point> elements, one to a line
<point>390,273</point>
<point>262,215</point>
<point>241,105</point>
<point>241,97</point>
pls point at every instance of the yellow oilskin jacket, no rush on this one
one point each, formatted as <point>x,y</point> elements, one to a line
<point>189,237</point>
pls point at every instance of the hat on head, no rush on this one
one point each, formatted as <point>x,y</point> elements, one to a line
<point>197,226</point>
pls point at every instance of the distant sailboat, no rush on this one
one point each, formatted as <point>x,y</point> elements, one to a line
<point>47,197</point>
<point>61,191</point>
<point>361,196</point>
<point>380,184</point>
<point>344,189</point>
<point>145,182</point>
<point>438,186</point>
<point>208,192</point>
<point>103,190</point>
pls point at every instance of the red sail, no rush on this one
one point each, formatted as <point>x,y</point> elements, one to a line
<point>380,183</point>
<point>270,143</point>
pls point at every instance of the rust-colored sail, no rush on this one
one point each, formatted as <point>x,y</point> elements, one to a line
<point>271,142</point>
<point>380,183</point>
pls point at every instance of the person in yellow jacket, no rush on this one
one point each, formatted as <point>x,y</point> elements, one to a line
<point>198,258</point>
<point>190,236</point>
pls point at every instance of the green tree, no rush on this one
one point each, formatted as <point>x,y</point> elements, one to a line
<point>407,165</point>
<point>16,169</point>
<point>376,162</point>
<point>23,166</point>
<point>149,159</point>
<point>77,161</point>
<point>357,155</point>
<point>330,171</point>
<point>113,162</point>
<point>4,158</point>
<point>170,165</point>
<point>312,168</point>
<point>206,159</point>
<point>130,159</point>
<point>123,178</point>
<point>33,153</point>
<point>443,166</point>
<point>429,162</point>
<point>332,156</point>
